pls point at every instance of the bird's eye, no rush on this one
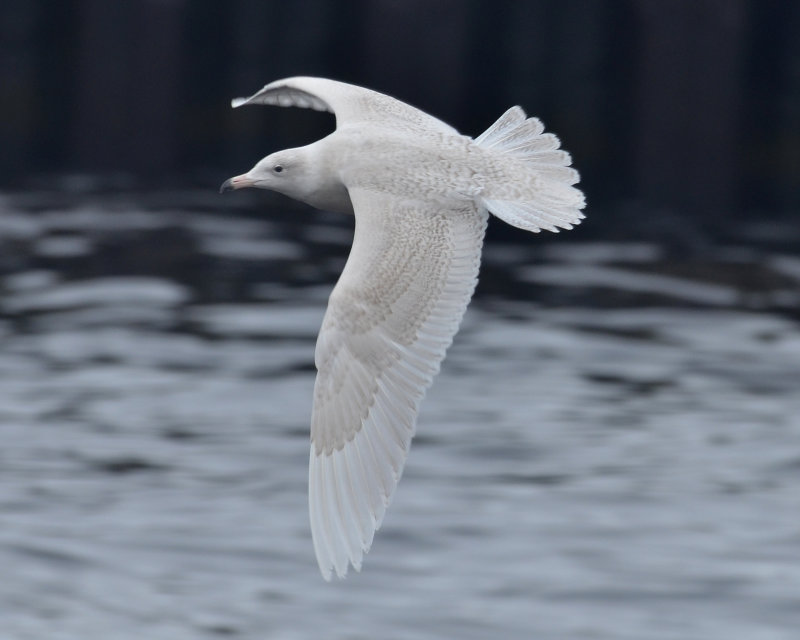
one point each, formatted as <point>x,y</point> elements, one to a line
<point>277,168</point>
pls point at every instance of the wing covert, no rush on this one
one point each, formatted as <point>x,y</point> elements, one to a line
<point>390,319</point>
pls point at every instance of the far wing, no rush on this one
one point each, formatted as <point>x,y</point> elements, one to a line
<point>350,103</point>
<point>391,317</point>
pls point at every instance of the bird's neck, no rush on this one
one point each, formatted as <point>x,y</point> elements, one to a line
<point>324,188</point>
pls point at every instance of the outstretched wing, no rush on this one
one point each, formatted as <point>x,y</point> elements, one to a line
<point>391,317</point>
<point>350,103</point>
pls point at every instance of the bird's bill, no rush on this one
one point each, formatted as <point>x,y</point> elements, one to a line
<point>237,182</point>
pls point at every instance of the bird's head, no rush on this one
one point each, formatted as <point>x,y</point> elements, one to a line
<point>284,171</point>
<point>299,174</point>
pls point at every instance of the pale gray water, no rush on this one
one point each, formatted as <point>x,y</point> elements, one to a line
<point>612,449</point>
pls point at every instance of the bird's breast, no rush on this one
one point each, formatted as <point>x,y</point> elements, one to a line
<point>331,195</point>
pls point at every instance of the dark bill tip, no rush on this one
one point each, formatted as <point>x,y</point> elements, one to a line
<point>227,186</point>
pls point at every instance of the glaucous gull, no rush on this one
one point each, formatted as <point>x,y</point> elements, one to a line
<point>421,194</point>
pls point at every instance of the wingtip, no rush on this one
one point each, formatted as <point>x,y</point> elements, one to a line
<point>238,102</point>
<point>330,569</point>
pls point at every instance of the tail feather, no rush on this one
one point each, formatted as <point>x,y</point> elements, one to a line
<point>509,121</point>
<point>521,136</point>
<point>537,193</point>
<point>533,144</point>
<point>523,216</point>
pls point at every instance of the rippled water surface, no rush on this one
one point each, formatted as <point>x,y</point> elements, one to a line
<point>612,449</point>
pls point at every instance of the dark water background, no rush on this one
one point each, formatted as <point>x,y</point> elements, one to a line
<point>611,451</point>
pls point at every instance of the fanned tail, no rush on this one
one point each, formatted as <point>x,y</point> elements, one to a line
<point>535,189</point>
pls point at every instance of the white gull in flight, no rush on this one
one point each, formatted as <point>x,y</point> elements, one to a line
<point>421,194</point>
